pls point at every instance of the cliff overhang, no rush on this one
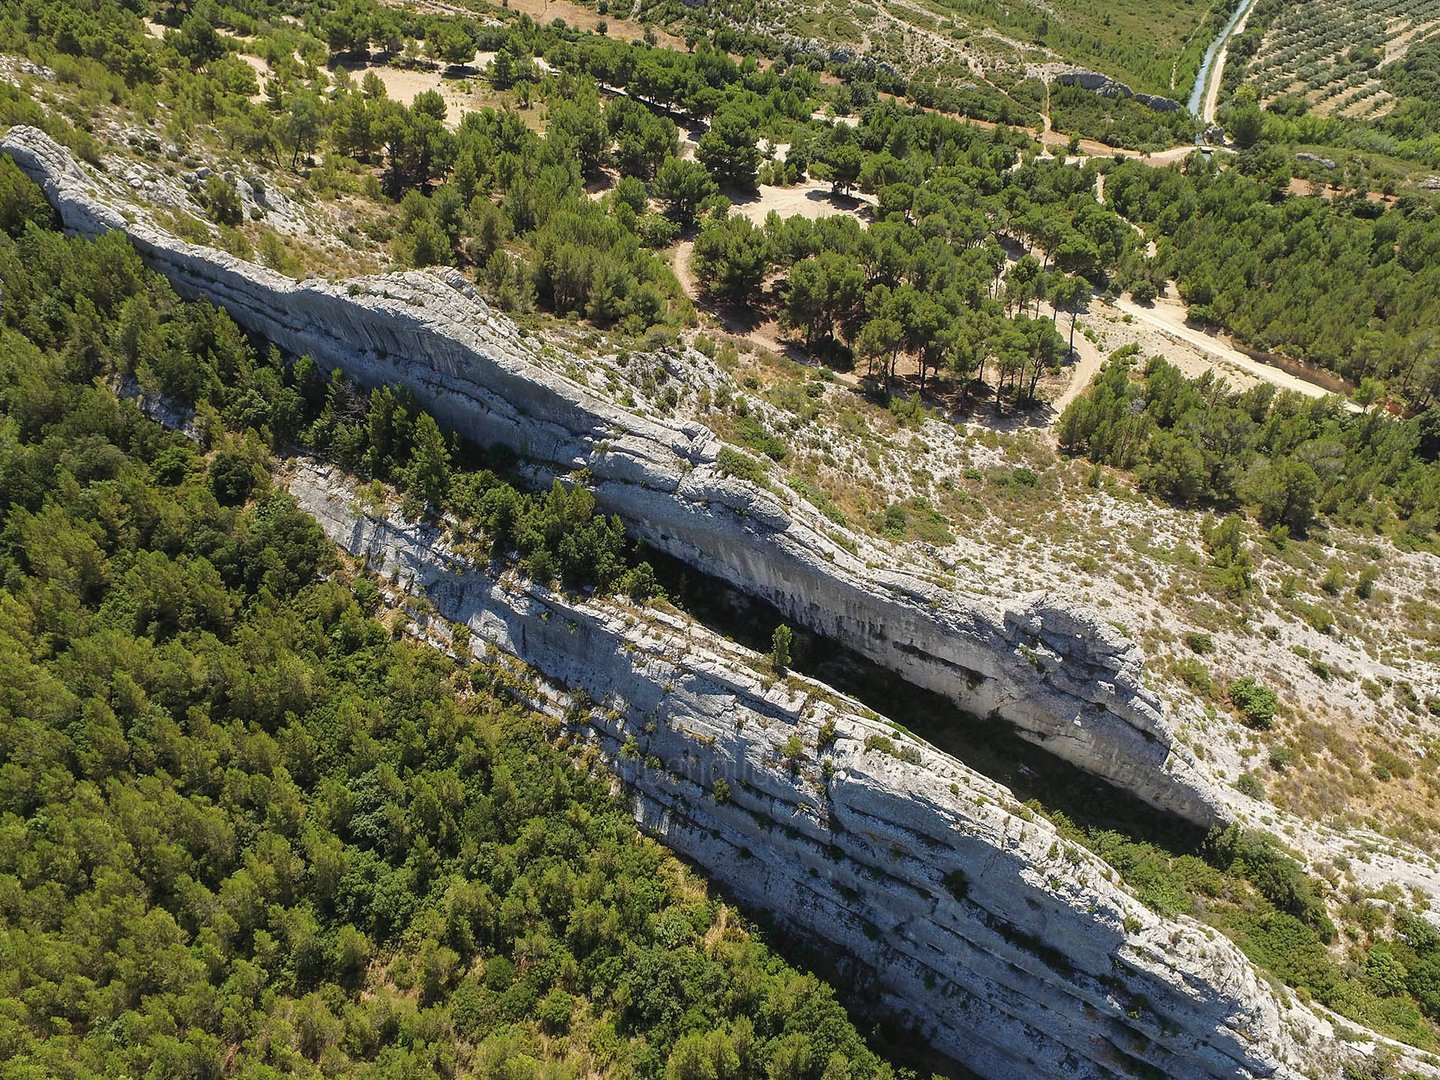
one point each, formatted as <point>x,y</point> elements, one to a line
<point>1059,674</point>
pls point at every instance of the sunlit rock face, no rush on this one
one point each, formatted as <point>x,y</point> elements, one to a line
<point>958,911</point>
<point>1062,676</point>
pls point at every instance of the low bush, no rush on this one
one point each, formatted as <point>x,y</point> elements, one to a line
<point>1257,703</point>
<point>741,466</point>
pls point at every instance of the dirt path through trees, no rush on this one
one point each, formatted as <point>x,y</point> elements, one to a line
<point>1168,316</point>
<point>1089,359</point>
<point>761,335</point>
<point>1217,70</point>
<point>680,260</point>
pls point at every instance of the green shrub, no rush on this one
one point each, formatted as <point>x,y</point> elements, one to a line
<point>780,643</point>
<point>885,745</point>
<point>1025,476</point>
<point>1195,675</point>
<point>1334,580</point>
<point>554,1011</point>
<point>1247,783</point>
<point>1257,703</point>
<point>1275,874</point>
<point>882,744</point>
<point>222,201</point>
<point>750,432</point>
<point>1320,618</point>
<point>639,583</point>
<point>1200,643</point>
<point>932,527</point>
<point>894,521</point>
<point>792,749</point>
<point>741,466</point>
<point>1390,763</point>
<point>1365,583</point>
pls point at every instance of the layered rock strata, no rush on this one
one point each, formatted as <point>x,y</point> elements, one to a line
<point>1008,948</point>
<point>1061,676</point>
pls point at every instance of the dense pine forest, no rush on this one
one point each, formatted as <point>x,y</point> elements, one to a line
<point>1350,286</point>
<point>246,826</point>
<point>1297,461</point>
<point>1347,285</point>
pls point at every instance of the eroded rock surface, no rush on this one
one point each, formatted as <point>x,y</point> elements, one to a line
<point>1008,948</point>
<point>1105,86</point>
<point>1061,675</point>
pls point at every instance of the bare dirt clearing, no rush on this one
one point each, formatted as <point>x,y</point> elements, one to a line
<point>810,199</point>
<point>583,18</point>
<point>1107,326</point>
<point>464,94</point>
<point>1302,187</point>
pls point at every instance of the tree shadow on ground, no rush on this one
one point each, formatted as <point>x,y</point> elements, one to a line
<point>953,401</point>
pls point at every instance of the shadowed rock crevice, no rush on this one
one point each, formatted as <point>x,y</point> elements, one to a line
<point>1022,761</point>
<point>1005,946</point>
<point>1056,673</point>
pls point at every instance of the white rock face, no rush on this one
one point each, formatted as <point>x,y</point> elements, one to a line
<point>1008,948</point>
<point>1062,676</point>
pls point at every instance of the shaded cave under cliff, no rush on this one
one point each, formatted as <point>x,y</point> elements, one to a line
<point>989,745</point>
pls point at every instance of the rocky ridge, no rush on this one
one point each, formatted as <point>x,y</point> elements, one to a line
<point>964,915</point>
<point>1061,675</point>
<point>1105,86</point>
<point>1004,945</point>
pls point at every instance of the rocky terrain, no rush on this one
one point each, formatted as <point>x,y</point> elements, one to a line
<point>970,918</point>
<point>1108,87</point>
<point>1000,941</point>
<point>1063,677</point>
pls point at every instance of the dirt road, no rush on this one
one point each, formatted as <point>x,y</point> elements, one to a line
<point>1217,71</point>
<point>1089,359</point>
<point>683,274</point>
<point>1167,315</point>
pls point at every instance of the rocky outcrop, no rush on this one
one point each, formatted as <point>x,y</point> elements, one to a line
<point>1105,86</point>
<point>1007,948</point>
<point>1061,676</point>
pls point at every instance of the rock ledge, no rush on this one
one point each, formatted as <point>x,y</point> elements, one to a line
<point>1062,676</point>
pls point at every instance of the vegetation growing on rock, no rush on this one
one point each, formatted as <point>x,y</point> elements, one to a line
<point>245,827</point>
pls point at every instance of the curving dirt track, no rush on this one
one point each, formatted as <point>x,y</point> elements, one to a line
<point>1167,315</point>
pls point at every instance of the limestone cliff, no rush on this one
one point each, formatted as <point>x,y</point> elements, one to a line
<point>1105,86</point>
<point>1009,949</point>
<point>1062,676</point>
